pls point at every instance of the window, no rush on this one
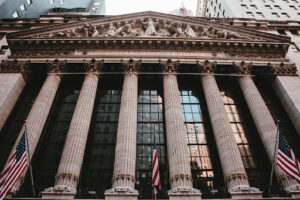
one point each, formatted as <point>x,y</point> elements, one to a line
<point>244,6</point>
<point>293,7</point>
<point>23,8</point>
<point>259,14</point>
<point>15,15</point>
<point>250,14</point>
<point>253,7</point>
<point>29,2</point>
<point>277,7</point>
<point>285,15</point>
<point>275,15</point>
<point>268,7</point>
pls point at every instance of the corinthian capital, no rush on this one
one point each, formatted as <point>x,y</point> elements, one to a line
<point>206,66</point>
<point>131,66</point>
<point>15,66</point>
<point>283,69</point>
<point>169,66</point>
<point>93,65</point>
<point>243,68</point>
<point>56,66</point>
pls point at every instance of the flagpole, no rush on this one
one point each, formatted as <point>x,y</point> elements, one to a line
<point>29,160</point>
<point>274,158</point>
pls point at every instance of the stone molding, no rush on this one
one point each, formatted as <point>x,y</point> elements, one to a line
<point>243,68</point>
<point>121,190</point>
<point>181,176</point>
<point>131,66</point>
<point>93,66</point>
<point>184,190</point>
<point>206,66</point>
<point>124,176</point>
<point>68,175</point>
<point>60,188</point>
<point>169,66</point>
<point>56,66</point>
<point>15,66</point>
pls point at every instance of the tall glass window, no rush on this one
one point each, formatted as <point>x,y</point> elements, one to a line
<point>251,149</point>
<point>150,123</point>
<point>206,172</point>
<point>15,121</point>
<point>48,152</point>
<point>98,165</point>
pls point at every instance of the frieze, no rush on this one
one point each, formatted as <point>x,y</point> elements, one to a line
<point>149,27</point>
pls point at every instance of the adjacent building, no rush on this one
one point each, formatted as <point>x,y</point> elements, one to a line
<point>258,9</point>
<point>96,91</point>
<point>36,8</point>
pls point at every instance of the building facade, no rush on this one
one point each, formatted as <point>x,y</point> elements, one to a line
<point>261,9</point>
<point>95,92</point>
<point>34,9</point>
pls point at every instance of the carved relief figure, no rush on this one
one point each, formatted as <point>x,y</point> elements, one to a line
<point>208,32</point>
<point>111,31</point>
<point>90,30</point>
<point>189,32</point>
<point>126,31</point>
<point>176,30</point>
<point>150,30</point>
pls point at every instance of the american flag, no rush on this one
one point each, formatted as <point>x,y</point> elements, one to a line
<point>155,172</point>
<point>287,160</point>
<point>14,168</point>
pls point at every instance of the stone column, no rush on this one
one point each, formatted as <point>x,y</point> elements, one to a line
<point>125,153</point>
<point>233,168</point>
<point>12,80</point>
<point>68,172</point>
<point>39,112</point>
<point>178,154</point>
<point>286,86</point>
<point>265,124</point>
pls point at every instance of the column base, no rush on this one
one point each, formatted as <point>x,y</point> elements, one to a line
<point>294,191</point>
<point>184,193</point>
<point>59,192</point>
<point>125,193</point>
<point>245,192</point>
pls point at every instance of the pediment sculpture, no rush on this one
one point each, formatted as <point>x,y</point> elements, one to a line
<point>148,27</point>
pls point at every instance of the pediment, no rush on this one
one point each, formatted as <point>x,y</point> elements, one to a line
<point>147,25</point>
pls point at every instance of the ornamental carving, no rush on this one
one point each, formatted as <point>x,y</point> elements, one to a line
<point>169,66</point>
<point>93,65</point>
<point>244,188</point>
<point>56,66</point>
<point>131,66</point>
<point>206,66</point>
<point>15,67</point>
<point>283,69</point>
<point>243,68</point>
<point>180,190</point>
<point>148,27</point>
<point>125,190</point>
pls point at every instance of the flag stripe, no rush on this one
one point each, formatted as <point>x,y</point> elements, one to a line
<point>155,172</point>
<point>286,159</point>
<point>14,168</point>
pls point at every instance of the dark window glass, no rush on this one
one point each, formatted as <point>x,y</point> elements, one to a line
<point>150,124</point>
<point>48,152</point>
<point>206,172</point>
<point>98,165</point>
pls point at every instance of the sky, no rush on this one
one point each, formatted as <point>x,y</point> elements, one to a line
<point>116,7</point>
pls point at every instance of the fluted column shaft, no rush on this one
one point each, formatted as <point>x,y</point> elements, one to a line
<point>265,125</point>
<point>73,153</point>
<point>232,164</point>
<point>178,154</point>
<point>125,153</point>
<point>38,115</point>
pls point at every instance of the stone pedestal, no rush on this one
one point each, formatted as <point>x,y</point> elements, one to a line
<point>266,128</point>
<point>125,153</point>
<point>233,169</point>
<point>178,154</point>
<point>68,172</point>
